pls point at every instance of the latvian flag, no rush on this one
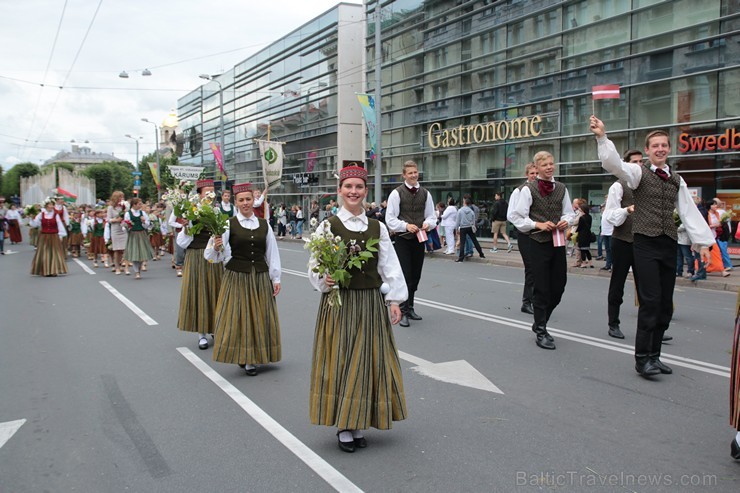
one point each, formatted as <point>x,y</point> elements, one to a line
<point>605,92</point>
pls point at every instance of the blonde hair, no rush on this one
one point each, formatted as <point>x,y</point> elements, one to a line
<point>529,167</point>
<point>116,197</point>
<point>541,156</point>
<point>410,164</point>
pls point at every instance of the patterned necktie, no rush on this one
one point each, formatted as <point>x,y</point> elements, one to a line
<point>662,174</point>
<point>546,187</point>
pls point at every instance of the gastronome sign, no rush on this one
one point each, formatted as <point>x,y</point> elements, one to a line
<point>484,133</point>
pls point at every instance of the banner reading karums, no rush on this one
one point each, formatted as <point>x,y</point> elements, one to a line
<point>189,173</point>
<point>272,162</point>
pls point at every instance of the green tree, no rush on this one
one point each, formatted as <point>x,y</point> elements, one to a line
<point>111,176</point>
<point>1,177</point>
<point>68,166</point>
<point>12,179</point>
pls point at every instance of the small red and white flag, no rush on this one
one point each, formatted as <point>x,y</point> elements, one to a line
<point>605,92</point>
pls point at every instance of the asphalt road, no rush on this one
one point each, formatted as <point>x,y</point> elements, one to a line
<point>113,403</point>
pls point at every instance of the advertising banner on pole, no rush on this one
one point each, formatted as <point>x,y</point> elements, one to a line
<point>189,173</point>
<point>272,162</point>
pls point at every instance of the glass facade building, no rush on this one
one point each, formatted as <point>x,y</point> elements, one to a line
<point>301,90</point>
<point>472,89</point>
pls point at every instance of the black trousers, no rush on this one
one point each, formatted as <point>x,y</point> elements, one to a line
<point>550,275</point>
<point>410,254</point>
<point>468,233</point>
<point>622,260</point>
<point>655,266</point>
<point>523,242</point>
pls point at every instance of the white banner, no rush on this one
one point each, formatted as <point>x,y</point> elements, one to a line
<point>272,162</point>
<point>189,173</point>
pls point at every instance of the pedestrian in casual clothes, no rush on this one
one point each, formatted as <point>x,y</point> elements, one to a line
<point>466,226</point>
<point>498,225</point>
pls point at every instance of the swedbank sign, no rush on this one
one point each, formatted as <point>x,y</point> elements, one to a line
<point>484,133</point>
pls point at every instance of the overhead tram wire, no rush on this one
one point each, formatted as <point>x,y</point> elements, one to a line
<point>46,72</point>
<point>71,67</point>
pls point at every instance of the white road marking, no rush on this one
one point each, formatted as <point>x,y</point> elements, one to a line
<point>705,367</point>
<point>296,273</point>
<point>502,282</point>
<point>8,429</point>
<point>458,372</point>
<point>335,479</point>
<point>129,304</point>
<point>84,267</point>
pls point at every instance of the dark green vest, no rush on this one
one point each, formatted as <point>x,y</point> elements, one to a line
<point>74,227</point>
<point>136,224</point>
<point>200,241</point>
<point>367,277</point>
<point>98,229</point>
<point>248,247</point>
<point>411,207</point>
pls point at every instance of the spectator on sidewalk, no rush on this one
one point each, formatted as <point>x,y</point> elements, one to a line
<point>498,225</point>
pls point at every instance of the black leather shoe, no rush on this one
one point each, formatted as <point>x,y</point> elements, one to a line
<point>459,259</point>
<point>615,332</point>
<point>545,342</point>
<point>735,449</point>
<point>251,371</point>
<point>527,308</point>
<point>360,442</point>
<point>482,256</point>
<point>345,446</point>
<point>412,315</point>
<point>664,369</point>
<point>667,338</point>
<point>404,321</point>
<point>646,368</point>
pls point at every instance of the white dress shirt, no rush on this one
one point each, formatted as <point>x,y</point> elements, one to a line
<point>518,213</point>
<point>272,255</point>
<point>696,226</point>
<point>395,225</point>
<point>389,267</point>
<point>258,202</point>
<point>614,213</point>
<point>144,218</point>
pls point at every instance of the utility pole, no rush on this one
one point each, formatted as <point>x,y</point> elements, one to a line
<point>378,123</point>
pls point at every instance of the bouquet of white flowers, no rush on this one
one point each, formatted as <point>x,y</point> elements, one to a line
<point>334,258</point>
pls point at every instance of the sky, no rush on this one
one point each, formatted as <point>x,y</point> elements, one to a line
<point>60,62</point>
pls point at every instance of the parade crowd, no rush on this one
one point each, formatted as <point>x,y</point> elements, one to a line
<point>367,262</point>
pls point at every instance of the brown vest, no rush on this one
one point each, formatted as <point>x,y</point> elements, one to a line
<point>624,231</point>
<point>545,209</point>
<point>411,207</point>
<point>655,200</point>
<point>248,247</point>
<point>367,277</point>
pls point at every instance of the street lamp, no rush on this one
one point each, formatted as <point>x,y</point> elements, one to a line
<point>136,139</point>
<point>221,112</point>
<point>156,155</point>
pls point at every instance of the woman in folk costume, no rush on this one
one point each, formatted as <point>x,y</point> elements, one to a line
<point>49,259</point>
<point>13,216</point>
<point>33,232</point>
<point>201,280</point>
<point>63,213</point>
<point>89,222</point>
<point>225,206</point>
<point>247,329</point>
<point>356,378</point>
<point>138,249</point>
<point>118,235</point>
<point>75,234</point>
<point>97,238</point>
<point>156,238</point>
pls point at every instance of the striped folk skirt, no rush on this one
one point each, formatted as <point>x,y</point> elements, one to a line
<point>14,229</point>
<point>155,240</point>
<point>356,378</point>
<point>735,373</point>
<point>75,239</point>
<point>201,282</point>
<point>138,248</point>
<point>247,325</point>
<point>33,236</point>
<point>49,257</point>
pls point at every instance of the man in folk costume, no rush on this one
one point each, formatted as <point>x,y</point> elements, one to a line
<point>523,244</point>
<point>620,204</point>
<point>657,191</point>
<point>201,280</point>
<point>410,210</point>
<point>225,206</point>
<point>543,211</point>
